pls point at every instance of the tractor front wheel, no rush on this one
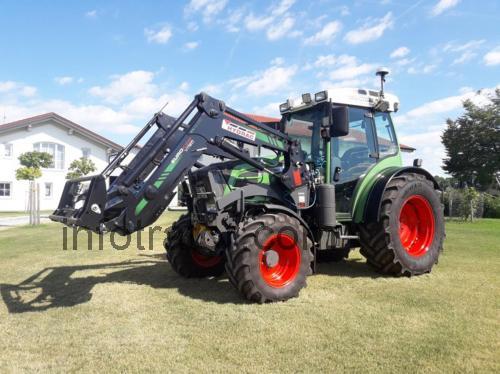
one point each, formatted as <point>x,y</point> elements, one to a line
<point>408,237</point>
<point>183,256</point>
<point>270,258</point>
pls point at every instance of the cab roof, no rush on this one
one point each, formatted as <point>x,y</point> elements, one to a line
<point>361,97</point>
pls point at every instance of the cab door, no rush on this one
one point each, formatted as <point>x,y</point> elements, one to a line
<point>354,153</point>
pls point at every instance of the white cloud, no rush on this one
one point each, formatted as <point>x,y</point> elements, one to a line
<point>372,30</point>
<point>400,52</point>
<point>91,13</point>
<point>492,57</point>
<point>159,36</point>
<point>133,84</point>
<point>282,7</point>
<point>352,71</point>
<point>253,23</point>
<point>64,80</point>
<point>281,29</point>
<point>405,61</point>
<point>7,86</point>
<point>271,80</point>
<point>464,57</point>
<point>326,34</point>
<point>234,19</point>
<point>184,86</point>
<point>278,61</point>
<point>14,89</point>
<point>443,5</point>
<point>271,110</point>
<point>118,118</point>
<point>421,127</point>
<point>422,69</point>
<point>208,9</point>
<point>189,46</point>
<point>28,91</point>
<point>445,105</point>
<point>277,21</point>
<point>461,47</point>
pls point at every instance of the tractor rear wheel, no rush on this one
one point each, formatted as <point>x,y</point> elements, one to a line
<point>183,256</point>
<point>408,238</point>
<point>270,258</point>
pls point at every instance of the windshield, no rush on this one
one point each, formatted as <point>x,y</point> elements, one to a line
<point>305,126</point>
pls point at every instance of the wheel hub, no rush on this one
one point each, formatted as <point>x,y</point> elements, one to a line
<point>271,258</point>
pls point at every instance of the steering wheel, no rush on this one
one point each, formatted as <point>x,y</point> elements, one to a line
<point>354,156</point>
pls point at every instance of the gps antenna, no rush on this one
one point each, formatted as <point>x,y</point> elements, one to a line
<point>382,72</point>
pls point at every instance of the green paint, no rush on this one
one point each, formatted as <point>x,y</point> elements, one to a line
<point>239,172</point>
<point>328,173</point>
<point>158,183</point>
<point>142,204</point>
<point>365,184</point>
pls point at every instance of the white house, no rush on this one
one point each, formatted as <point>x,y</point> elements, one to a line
<point>64,140</point>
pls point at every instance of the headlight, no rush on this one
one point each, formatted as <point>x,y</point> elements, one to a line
<point>320,96</point>
<point>306,98</point>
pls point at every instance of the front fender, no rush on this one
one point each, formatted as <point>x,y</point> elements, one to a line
<point>373,204</point>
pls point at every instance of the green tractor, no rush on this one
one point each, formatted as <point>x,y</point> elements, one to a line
<point>326,179</point>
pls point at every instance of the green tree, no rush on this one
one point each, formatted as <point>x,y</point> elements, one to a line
<point>79,168</point>
<point>472,144</point>
<point>470,196</point>
<point>32,162</point>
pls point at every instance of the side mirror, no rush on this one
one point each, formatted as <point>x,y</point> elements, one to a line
<point>336,122</point>
<point>339,125</point>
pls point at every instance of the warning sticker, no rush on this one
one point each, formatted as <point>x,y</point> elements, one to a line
<point>238,130</point>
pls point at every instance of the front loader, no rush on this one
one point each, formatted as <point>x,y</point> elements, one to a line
<point>271,201</point>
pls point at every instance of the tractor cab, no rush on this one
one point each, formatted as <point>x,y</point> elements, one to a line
<point>344,133</point>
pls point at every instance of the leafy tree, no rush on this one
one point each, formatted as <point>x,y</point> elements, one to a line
<point>470,196</point>
<point>472,144</point>
<point>79,168</point>
<point>32,162</point>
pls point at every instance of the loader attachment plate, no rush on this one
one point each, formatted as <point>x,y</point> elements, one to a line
<point>82,203</point>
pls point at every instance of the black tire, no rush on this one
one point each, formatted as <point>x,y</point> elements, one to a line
<point>182,254</point>
<point>244,259</point>
<point>381,242</point>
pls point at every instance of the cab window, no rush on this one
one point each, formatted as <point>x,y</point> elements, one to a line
<point>386,139</point>
<point>354,152</point>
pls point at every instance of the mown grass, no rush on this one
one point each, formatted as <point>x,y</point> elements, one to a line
<point>22,213</point>
<point>126,311</point>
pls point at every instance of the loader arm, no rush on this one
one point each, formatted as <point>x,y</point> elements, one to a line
<point>144,188</point>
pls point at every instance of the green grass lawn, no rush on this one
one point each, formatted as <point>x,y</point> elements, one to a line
<point>124,311</point>
<point>22,213</point>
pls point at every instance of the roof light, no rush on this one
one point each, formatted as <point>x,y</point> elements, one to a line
<point>285,106</point>
<point>306,98</point>
<point>320,96</point>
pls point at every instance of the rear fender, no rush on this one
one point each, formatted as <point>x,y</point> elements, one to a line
<point>374,201</point>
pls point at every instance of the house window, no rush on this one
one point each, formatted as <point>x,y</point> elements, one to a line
<point>85,152</point>
<point>5,189</point>
<point>54,149</point>
<point>7,150</point>
<point>48,190</point>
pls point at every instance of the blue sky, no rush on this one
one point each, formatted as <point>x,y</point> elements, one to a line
<point>108,65</point>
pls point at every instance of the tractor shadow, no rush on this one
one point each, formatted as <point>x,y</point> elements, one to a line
<point>61,286</point>
<point>351,268</point>
<point>67,286</point>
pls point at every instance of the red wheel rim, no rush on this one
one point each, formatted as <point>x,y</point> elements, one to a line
<point>205,261</point>
<point>288,263</point>
<point>416,225</point>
